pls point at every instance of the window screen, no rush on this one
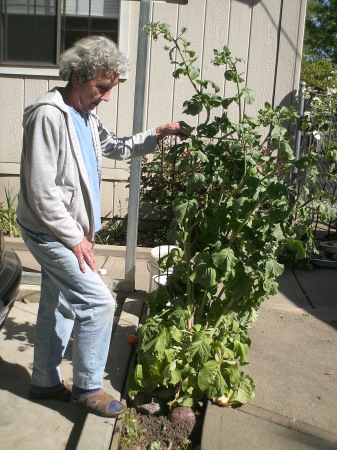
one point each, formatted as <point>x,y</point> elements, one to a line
<point>28,30</point>
<point>35,32</point>
<point>85,17</point>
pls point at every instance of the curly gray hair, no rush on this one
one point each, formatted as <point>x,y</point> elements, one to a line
<point>90,55</point>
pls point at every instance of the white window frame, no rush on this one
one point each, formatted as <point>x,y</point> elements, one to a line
<point>123,45</point>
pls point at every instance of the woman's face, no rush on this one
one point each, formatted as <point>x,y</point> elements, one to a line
<point>90,94</point>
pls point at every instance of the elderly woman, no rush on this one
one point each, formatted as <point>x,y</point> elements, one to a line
<point>59,213</point>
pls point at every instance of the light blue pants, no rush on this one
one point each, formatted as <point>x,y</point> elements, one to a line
<point>71,301</point>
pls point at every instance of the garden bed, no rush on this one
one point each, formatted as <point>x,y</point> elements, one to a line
<point>158,432</point>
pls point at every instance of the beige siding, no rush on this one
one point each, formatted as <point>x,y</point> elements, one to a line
<point>12,96</point>
<point>216,35</point>
<point>127,88</point>
<point>161,82</point>
<point>240,25</point>
<point>263,52</point>
<point>267,34</point>
<point>192,18</point>
<point>34,87</point>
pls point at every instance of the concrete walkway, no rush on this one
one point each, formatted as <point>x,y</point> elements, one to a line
<point>293,360</point>
<point>51,425</point>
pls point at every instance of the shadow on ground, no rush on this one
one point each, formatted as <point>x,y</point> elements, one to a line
<point>16,379</point>
<point>313,291</point>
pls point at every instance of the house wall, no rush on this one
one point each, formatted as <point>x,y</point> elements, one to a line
<point>267,34</point>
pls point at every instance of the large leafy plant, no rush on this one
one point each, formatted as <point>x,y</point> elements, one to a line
<point>231,223</point>
<point>320,126</point>
<point>321,115</point>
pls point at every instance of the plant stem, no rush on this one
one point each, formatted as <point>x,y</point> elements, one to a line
<point>223,315</point>
<point>200,310</point>
<point>248,216</point>
<point>187,253</point>
<point>186,65</point>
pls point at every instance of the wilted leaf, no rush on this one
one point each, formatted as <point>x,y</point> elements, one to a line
<point>224,400</point>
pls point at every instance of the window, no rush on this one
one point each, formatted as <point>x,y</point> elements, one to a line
<point>35,32</point>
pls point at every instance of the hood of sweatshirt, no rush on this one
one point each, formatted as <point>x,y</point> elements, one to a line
<point>53,98</point>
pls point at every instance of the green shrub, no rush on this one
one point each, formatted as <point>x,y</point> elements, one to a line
<point>231,222</point>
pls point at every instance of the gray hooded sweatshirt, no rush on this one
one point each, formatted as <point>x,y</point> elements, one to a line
<point>55,194</point>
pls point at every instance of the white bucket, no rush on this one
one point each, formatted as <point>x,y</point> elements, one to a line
<point>156,275</point>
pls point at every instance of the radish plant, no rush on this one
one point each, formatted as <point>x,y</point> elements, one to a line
<point>231,223</point>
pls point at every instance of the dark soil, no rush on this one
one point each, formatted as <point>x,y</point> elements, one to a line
<point>182,436</point>
<point>113,232</point>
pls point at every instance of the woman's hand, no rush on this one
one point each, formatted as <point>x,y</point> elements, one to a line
<point>180,129</point>
<point>84,252</point>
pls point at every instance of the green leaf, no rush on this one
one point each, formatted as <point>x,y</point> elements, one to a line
<point>224,259</point>
<point>199,349</point>
<point>273,268</point>
<point>134,382</point>
<point>241,351</point>
<point>243,205</point>
<point>203,273</point>
<point>175,376</point>
<point>179,272</point>
<point>241,287</point>
<point>283,146</point>
<point>244,392</point>
<point>183,163</point>
<point>221,351</point>
<point>212,99</point>
<point>161,342</point>
<point>157,299</point>
<point>196,180</point>
<point>270,287</point>
<point>187,383</point>
<point>202,157</point>
<point>176,334</point>
<point>180,316</point>
<point>184,208</point>
<point>277,189</point>
<point>279,210</point>
<point>178,72</point>
<point>252,182</point>
<point>229,75</point>
<point>214,85</point>
<point>208,130</point>
<point>227,101</point>
<point>185,401</point>
<point>192,107</point>
<point>277,232</point>
<point>138,374</point>
<point>252,121</point>
<point>194,72</point>
<point>248,94</point>
<point>297,246</point>
<point>211,380</point>
<point>279,131</point>
<point>326,212</point>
